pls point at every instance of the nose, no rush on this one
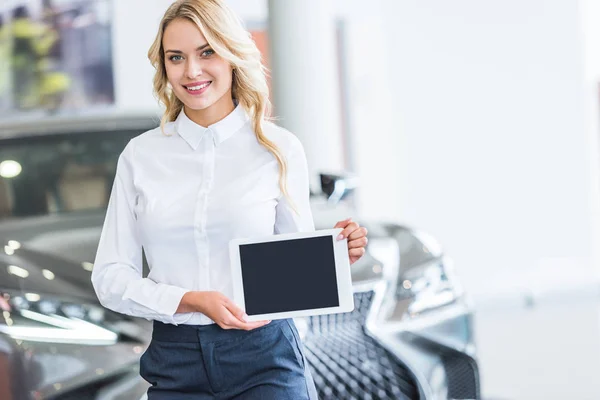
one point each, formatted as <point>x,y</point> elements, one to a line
<point>193,68</point>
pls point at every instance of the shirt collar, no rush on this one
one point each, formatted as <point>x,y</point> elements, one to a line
<point>220,131</point>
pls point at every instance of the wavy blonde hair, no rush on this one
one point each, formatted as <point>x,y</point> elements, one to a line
<point>226,35</point>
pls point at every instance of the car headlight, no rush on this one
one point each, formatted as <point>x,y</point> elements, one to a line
<point>38,318</point>
<point>427,286</point>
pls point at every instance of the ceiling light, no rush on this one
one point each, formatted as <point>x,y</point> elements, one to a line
<point>10,169</point>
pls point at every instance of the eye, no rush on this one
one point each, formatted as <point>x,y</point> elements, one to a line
<point>208,53</point>
<point>175,58</point>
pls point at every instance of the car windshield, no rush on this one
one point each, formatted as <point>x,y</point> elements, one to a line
<point>60,173</point>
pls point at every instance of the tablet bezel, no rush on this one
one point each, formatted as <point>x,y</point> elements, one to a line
<point>342,271</point>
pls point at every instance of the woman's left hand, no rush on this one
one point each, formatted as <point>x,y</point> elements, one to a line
<point>357,238</point>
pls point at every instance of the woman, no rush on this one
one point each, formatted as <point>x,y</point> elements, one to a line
<point>214,170</point>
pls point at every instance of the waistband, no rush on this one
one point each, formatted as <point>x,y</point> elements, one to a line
<point>205,333</point>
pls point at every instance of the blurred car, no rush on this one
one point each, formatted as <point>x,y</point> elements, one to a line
<point>409,337</point>
<point>56,341</point>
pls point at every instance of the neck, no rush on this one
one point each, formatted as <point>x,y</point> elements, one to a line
<point>213,114</point>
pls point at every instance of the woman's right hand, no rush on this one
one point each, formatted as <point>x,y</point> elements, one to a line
<point>218,308</point>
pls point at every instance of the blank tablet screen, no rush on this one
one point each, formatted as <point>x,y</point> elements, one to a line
<point>289,275</point>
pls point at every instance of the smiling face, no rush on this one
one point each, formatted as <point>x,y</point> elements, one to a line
<point>200,78</point>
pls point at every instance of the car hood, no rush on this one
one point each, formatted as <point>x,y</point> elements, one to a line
<point>73,236</point>
<point>31,271</point>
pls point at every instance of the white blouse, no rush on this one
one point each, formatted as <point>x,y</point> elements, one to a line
<point>182,197</point>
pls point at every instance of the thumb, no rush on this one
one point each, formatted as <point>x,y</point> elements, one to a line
<point>237,312</point>
<point>343,223</point>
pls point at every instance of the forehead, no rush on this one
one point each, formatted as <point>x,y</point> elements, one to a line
<point>182,34</point>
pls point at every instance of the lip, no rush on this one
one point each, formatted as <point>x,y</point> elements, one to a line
<point>197,92</point>
<point>187,85</point>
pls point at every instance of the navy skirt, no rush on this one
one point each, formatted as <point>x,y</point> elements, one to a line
<point>208,362</point>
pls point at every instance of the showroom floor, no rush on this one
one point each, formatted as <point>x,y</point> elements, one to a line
<point>548,351</point>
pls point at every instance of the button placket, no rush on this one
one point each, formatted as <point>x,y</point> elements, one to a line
<point>208,167</point>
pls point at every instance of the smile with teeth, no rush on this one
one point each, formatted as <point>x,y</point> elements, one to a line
<point>199,87</point>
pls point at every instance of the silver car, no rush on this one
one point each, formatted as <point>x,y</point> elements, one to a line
<point>410,336</point>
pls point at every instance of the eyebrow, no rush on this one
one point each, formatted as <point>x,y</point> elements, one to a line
<point>181,52</point>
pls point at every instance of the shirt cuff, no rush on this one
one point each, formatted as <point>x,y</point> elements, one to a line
<point>171,302</point>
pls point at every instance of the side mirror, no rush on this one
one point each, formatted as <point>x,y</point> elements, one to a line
<point>337,187</point>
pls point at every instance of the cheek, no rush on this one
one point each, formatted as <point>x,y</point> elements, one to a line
<point>225,81</point>
<point>222,70</point>
<point>173,75</point>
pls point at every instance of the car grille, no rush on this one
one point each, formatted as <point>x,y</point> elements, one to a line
<point>462,373</point>
<point>348,364</point>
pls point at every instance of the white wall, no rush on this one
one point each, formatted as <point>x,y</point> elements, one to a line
<point>131,41</point>
<point>590,16</point>
<point>378,152</point>
<point>489,100</point>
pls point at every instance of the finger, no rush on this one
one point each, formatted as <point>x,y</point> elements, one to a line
<point>236,311</point>
<point>343,223</point>
<point>247,326</point>
<point>356,252</point>
<point>256,324</point>
<point>360,242</point>
<point>351,227</point>
<point>357,234</point>
<point>238,318</point>
<point>230,321</point>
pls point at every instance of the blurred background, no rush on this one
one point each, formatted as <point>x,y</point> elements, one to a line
<point>471,126</point>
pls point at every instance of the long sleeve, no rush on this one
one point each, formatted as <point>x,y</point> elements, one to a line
<point>117,274</point>
<point>287,220</point>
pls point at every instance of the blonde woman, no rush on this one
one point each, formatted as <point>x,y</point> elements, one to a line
<point>214,170</point>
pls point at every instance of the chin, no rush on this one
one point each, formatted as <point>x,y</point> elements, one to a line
<point>199,105</point>
<point>196,107</point>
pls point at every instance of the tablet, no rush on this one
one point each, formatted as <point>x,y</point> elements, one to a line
<point>292,275</point>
